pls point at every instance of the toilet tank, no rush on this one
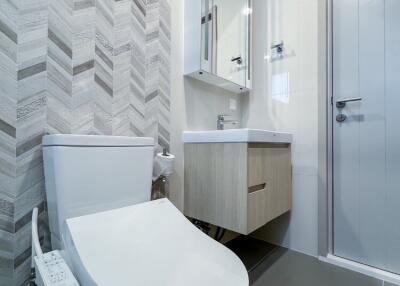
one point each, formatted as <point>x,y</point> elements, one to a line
<point>85,174</point>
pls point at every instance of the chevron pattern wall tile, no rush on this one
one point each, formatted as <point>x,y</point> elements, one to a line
<point>31,119</point>
<point>71,45</point>
<point>164,51</point>
<point>83,55</point>
<point>122,55</point>
<point>23,50</point>
<point>151,99</point>
<point>77,67</point>
<point>112,66</point>
<point>138,68</point>
<point>157,71</point>
<point>8,130</point>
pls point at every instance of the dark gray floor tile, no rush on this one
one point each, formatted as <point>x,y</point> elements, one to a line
<point>288,268</point>
<point>250,250</point>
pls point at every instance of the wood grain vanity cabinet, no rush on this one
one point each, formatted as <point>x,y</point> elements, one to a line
<point>238,186</point>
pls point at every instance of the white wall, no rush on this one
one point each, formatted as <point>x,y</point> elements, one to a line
<point>295,22</point>
<point>195,105</point>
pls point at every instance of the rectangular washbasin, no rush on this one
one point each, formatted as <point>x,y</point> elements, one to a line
<point>236,135</point>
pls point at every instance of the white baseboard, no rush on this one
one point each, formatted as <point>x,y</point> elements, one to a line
<point>361,268</point>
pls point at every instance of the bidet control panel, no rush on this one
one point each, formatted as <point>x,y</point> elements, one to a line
<point>52,270</point>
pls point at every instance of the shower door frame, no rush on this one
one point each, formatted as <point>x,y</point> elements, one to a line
<point>325,151</point>
<point>325,129</point>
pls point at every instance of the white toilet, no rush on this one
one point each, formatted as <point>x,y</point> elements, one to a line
<point>111,234</point>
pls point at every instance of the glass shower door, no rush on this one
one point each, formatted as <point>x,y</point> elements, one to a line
<point>366,133</point>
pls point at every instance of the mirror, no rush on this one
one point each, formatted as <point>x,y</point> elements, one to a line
<point>225,39</point>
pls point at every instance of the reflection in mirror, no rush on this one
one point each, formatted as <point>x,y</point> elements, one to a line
<point>208,36</point>
<point>225,39</point>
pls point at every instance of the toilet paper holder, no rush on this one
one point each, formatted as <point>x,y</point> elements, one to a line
<point>163,168</point>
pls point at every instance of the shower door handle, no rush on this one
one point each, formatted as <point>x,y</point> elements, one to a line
<point>342,103</point>
<point>237,59</point>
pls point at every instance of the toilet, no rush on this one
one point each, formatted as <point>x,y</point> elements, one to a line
<point>110,233</point>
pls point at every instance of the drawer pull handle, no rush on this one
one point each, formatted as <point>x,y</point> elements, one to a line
<point>256,188</point>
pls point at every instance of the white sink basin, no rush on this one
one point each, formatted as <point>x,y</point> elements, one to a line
<point>236,135</point>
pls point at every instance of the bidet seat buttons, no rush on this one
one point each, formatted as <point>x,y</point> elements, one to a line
<point>52,270</point>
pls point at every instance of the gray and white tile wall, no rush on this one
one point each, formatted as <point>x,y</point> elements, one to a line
<point>79,67</point>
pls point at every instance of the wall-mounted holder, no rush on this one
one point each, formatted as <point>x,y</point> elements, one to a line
<point>278,48</point>
<point>278,51</point>
<point>163,168</point>
<point>160,188</point>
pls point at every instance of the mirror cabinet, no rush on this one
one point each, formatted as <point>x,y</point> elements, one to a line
<point>218,42</point>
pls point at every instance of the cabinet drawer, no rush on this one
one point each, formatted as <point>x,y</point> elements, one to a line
<point>256,167</point>
<point>257,204</point>
<point>269,183</point>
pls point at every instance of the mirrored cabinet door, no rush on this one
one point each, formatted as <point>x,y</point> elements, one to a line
<point>218,42</point>
<point>208,36</point>
<point>225,38</point>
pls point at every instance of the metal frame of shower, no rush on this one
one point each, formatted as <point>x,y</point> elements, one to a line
<point>325,129</point>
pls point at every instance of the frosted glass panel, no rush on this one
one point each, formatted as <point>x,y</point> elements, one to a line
<point>392,108</point>
<point>366,195</point>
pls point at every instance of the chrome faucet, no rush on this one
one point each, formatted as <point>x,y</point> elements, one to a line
<point>221,121</point>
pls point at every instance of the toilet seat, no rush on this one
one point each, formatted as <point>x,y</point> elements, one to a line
<point>148,244</point>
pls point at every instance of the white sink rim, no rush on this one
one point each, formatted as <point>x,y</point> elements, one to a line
<point>245,135</point>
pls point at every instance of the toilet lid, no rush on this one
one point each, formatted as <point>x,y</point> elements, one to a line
<point>151,244</point>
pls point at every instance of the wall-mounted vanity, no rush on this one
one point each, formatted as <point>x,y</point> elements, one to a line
<point>218,42</point>
<point>238,179</point>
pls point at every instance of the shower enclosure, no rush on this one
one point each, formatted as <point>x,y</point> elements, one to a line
<point>366,132</point>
